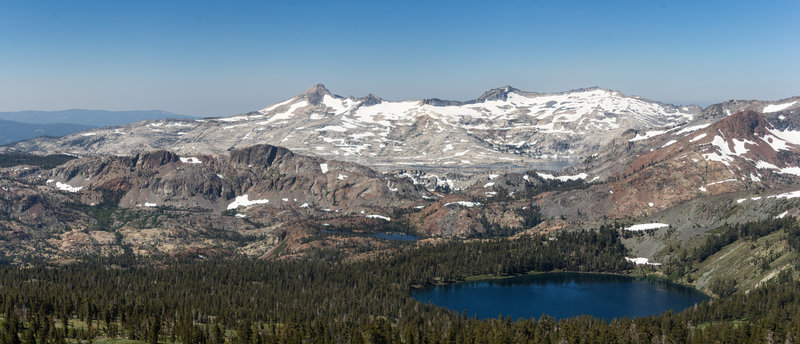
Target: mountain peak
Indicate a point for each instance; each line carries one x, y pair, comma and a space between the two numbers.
500, 93
315, 94
743, 125
371, 99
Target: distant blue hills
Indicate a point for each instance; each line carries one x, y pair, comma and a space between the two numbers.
93, 118
23, 125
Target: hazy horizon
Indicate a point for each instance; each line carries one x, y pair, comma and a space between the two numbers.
217, 59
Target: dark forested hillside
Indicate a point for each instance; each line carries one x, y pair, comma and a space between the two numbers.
46, 161
332, 301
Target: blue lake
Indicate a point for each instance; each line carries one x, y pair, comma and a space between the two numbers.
396, 236
562, 295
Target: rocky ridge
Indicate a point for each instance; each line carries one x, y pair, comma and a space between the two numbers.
269, 201
505, 128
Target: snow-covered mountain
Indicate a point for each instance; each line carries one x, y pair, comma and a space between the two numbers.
505, 126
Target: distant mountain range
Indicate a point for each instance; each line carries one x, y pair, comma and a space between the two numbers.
503, 128
22, 125
11, 131
93, 118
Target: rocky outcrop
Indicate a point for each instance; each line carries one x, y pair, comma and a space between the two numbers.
264, 174
741, 152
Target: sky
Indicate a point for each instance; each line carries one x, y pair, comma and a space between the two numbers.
227, 57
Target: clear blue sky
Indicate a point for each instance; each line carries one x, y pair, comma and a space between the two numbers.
227, 57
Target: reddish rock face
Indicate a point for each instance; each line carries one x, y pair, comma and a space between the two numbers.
727, 156
155, 159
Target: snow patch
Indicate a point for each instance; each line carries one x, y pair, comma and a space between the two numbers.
288, 114
641, 261
190, 160
68, 188
323, 167
378, 217
464, 204
244, 201
722, 181
692, 129
698, 137
547, 176
275, 106
670, 142
777, 107
790, 170
725, 154
646, 226
647, 135
766, 165
788, 195
336, 128
779, 140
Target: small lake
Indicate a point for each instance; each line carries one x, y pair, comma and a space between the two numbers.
562, 295
396, 236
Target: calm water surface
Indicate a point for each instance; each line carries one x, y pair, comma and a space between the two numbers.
562, 295
396, 236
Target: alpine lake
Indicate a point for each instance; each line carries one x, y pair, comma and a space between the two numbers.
561, 295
